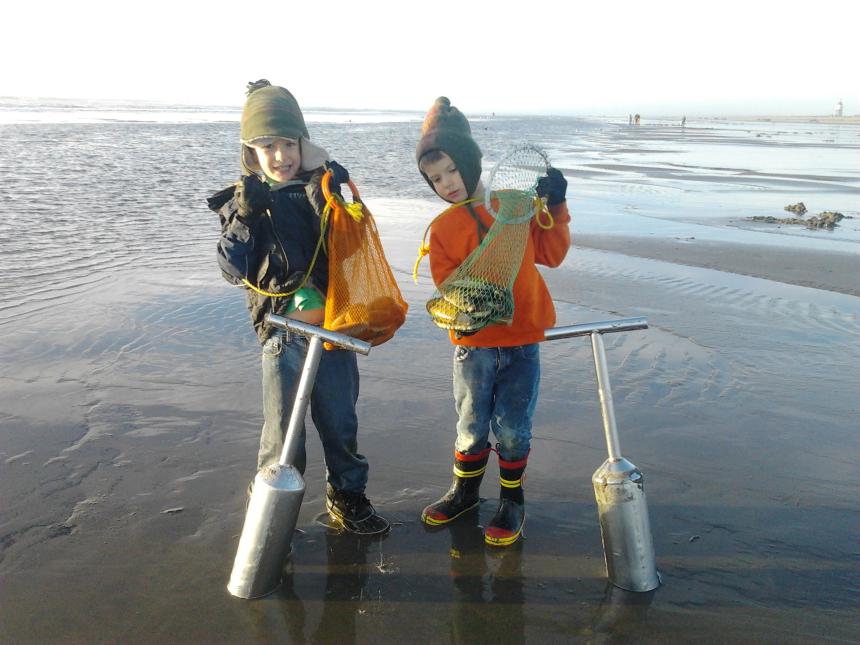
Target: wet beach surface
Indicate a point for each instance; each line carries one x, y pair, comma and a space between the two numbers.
130, 414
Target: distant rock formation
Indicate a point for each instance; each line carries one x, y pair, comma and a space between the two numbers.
827, 219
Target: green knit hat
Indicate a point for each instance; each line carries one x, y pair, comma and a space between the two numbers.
272, 111
446, 129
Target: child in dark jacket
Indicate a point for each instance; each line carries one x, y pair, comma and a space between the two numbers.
497, 369
270, 244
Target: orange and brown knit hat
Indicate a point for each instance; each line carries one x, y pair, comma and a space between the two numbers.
446, 129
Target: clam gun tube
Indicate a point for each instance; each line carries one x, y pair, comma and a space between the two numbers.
618, 485
273, 509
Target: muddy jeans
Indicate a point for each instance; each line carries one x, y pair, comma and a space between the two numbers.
496, 388
332, 404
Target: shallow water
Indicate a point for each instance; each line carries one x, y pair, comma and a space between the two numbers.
716, 174
82, 200
129, 401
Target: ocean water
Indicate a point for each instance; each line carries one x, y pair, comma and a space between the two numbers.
92, 186
710, 177
95, 194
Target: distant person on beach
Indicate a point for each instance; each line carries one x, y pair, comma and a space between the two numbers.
629, 119
497, 369
270, 223
636, 119
683, 121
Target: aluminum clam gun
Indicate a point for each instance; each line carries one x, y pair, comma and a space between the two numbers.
276, 499
618, 485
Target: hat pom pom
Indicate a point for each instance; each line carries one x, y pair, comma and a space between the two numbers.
253, 86
440, 108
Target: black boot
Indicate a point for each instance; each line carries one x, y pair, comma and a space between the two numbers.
506, 527
354, 512
463, 495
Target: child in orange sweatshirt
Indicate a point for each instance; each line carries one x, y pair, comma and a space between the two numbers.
497, 369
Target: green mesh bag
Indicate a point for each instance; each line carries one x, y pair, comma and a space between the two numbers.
480, 291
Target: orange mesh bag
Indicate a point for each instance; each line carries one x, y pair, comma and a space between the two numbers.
363, 299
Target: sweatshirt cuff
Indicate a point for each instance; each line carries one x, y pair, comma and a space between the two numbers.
560, 213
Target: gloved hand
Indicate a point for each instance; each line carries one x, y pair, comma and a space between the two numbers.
253, 197
553, 186
339, 174
313, 190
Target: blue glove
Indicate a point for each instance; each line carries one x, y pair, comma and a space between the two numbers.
339, 174
313, 189
553, 186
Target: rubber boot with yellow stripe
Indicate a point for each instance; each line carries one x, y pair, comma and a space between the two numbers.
463, 495
506, 527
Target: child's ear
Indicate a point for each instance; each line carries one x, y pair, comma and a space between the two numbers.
250, 160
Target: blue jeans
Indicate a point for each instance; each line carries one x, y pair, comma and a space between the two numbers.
496, 388
332, 404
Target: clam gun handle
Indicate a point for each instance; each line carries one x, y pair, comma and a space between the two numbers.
311, 331
596, 330
603, 327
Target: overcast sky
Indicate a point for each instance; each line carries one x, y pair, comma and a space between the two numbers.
612, 57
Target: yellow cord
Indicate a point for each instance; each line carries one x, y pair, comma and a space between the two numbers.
355, 210
543, 208
285, 294
423, 247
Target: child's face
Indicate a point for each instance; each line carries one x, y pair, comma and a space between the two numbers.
280, 159
446, 179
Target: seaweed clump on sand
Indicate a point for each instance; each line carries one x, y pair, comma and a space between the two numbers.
827, 219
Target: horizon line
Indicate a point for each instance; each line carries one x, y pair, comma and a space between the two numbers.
549, 112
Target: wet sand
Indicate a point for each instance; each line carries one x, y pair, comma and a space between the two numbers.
829, 270
847, 119
123, 472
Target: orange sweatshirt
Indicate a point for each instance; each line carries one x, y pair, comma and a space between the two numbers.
455, 234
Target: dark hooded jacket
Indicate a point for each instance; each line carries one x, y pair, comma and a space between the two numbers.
272, 253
